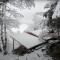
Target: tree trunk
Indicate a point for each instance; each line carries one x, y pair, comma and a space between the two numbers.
2, 35
5, 44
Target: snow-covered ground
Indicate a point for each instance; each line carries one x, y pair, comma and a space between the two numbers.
36, 55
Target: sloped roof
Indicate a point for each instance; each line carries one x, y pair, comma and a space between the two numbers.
26, 40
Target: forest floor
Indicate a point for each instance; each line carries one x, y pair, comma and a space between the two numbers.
36, 55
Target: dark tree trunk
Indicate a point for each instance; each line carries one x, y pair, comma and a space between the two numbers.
5, 44
2, 34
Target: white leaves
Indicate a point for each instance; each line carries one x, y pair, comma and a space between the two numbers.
23, 3
11, 22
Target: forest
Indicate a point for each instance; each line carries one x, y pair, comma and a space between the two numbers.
11, 17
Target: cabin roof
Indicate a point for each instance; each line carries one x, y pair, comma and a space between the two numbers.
26, 40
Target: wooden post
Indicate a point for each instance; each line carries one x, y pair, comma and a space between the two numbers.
13, 44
